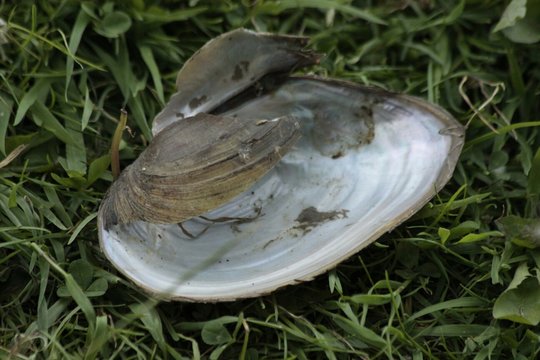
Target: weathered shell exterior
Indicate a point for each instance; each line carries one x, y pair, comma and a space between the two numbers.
196, 165
366, 161
227, 65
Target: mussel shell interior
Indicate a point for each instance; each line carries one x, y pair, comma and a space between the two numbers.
367, 161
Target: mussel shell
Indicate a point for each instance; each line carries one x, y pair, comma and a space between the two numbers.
196, 165
227, 65
367, 160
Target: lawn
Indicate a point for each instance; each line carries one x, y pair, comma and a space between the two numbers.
459, 280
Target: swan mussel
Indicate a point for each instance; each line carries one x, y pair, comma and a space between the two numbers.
336, 165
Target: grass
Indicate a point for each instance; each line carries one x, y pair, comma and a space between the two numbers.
457, 281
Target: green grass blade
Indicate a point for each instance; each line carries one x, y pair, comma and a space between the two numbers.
75, 150
81, 226
81, 22
6, 107
44, 118
39, 90
464, 302
87, 110
150, 61
277, 7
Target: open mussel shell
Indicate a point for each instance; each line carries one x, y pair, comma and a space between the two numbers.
365, 161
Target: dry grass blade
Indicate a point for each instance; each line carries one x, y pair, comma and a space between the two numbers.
13, 155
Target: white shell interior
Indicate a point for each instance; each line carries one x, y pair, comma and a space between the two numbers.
327, 199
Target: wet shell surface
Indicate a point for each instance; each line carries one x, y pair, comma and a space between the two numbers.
363, 160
